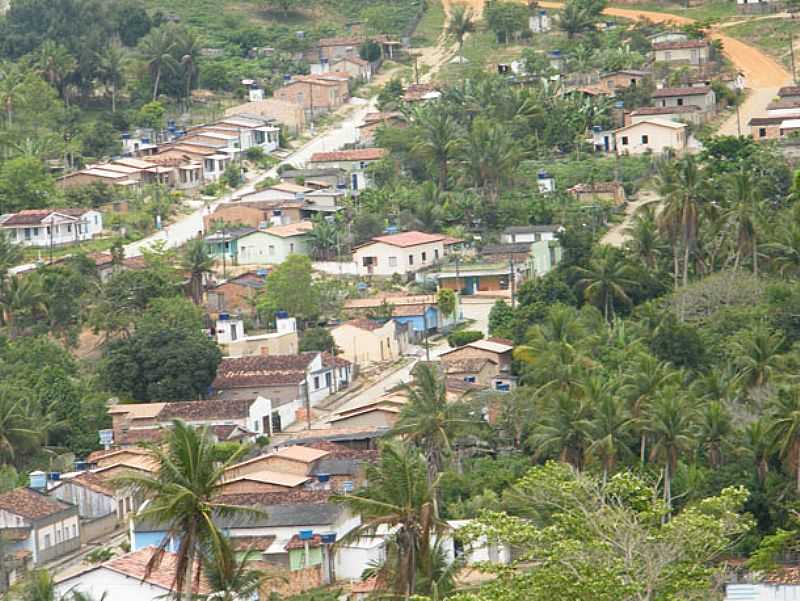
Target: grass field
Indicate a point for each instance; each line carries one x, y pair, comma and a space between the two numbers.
430, 26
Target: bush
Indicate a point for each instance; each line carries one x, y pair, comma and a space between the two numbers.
462, 337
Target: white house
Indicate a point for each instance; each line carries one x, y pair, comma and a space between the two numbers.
52, 227
125, 578
540, 22
45, 527
353, 162
692, 52
654, 135
399, 253
530, 233
763, 591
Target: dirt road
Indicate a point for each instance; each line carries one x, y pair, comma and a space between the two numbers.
616, 234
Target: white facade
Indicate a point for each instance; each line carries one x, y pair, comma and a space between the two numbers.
513, 235
762, 592
56, 229
705, 102
102, 581
380, 258
655, 136
214, 166
540, 22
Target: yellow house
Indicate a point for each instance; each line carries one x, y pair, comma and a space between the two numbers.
364, 341
655, 136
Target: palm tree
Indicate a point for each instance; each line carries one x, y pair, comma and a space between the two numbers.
671, 425
399, 498
188, 47
323, 238
427, 420
459, 25
607, 279
18, 432
564, 429
784, 247
644, 242
39, 585
11, 89
759, 445
198, 262
757, 354
56, 64
437, 139
490, 156
716, 425
743, 216
229, 575
183, 496
610, 429
575, 19
21, 297
157, 49
785, 429
111, 66
10, 255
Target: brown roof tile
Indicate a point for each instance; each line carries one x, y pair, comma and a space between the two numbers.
358, 154
92, 482
262, 370
135, 565
789, 91
666, 110
30, 504
406, 239
206, 410
289, 497
687, 91
254, 543
454, 366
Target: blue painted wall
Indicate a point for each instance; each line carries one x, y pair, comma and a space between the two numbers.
418, 322
150, 539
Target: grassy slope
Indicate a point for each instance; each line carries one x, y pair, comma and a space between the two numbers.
430, 26
771, 35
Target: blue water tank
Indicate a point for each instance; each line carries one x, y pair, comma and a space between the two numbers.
54, 476
145, 140
543, 175
126, 136
305, 534
262, 273
81, 466
597, 128
224, 317
323, 477
328, 538
281, 314
619, 104
392, 229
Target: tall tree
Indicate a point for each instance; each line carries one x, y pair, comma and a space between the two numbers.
564, 428
111, 65
399, 498
21, 301
607, 279
785, 429
198, 262
184, 496
156, 49
743, 215
56, 64
459, 25
437, 139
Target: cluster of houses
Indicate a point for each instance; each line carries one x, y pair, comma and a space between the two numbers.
782, 118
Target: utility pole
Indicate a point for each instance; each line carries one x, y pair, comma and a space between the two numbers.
458, 274
513, 280
791, 50
308, 401
425, 327
224, 262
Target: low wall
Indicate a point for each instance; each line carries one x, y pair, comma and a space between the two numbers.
95, 528
335, 267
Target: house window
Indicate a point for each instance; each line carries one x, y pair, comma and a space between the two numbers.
328, 379
271, 250
410, 259
75, 528
680, 101
36, 232
624, 140
46, 541
69, 228
27, 233
392, 261
424, 256
645, 139
255, 426
470, 379
316, 382
291, 247
96, 222
762, 132
435, 254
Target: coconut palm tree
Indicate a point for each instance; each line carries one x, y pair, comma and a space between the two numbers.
18, 432
56, 64
230, 575
459, 25
428, 420
564, 428
716, 424
11, 89
10, 255
644, 242
39, 585
757, 355
759, 444
21, 298
785, 429
183, 496
575, 19
671, 425
783, 248
323, 238
490, 155
743, 215
198, 262
437, 139
156, 49
606, 280
188, 48
399, 498
610, 428
111, 66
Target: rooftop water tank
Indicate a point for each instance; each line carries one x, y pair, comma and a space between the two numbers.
328, 538
38, 480
281, 314
305, 534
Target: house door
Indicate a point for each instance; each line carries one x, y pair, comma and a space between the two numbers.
354, 177
606, 145
276, 422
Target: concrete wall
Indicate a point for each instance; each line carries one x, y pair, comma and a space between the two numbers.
392, 259
363, 346
99, 527
115, 586
90, 504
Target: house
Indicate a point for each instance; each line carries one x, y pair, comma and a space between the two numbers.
235, 342
249, 415
127, 578
378, 414
353, 162
688, 113
478, 370
252, 132
771, 127
757, 6
294, 460
288, 114
405, 252
612, 193
261, 481
324, 201
419, 311
344, 468
223, 245
43, 526
316, 178
236, 294
96, 175
498, 350
530, 233
540, 22
373, 121
354, 66
331, 50
623, 79
783, 106
519, 252
603, 139
290, 382
52, 227
668, 36
316, 94
259, 211
482, 277
102, 507
421, 92
652, 135
213, 160
364, 341
700, 96
277, 243
692, 52
544, 257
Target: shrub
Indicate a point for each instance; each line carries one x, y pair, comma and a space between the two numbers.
462, 337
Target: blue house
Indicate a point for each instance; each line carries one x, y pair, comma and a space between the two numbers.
225, 242
418, 317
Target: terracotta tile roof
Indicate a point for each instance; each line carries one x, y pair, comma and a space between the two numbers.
666, 110
291, 229
341, 41
789, 91
135, 565
372, 408
270, 477
139, 435
100, 258
379, 117
206, 410
30, 504
364, 324
417, 91
406, 239
409, 310
680, 44
229, 432
296, 543
289, 497
687, 91
498, 340
783, 104
339, 451
353, 59
93, 482
96, 456
456, 384
771, 120
262, 370
395, 299
784, 575
329, 360
358, 154
455, 366
255, 543
14, 534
